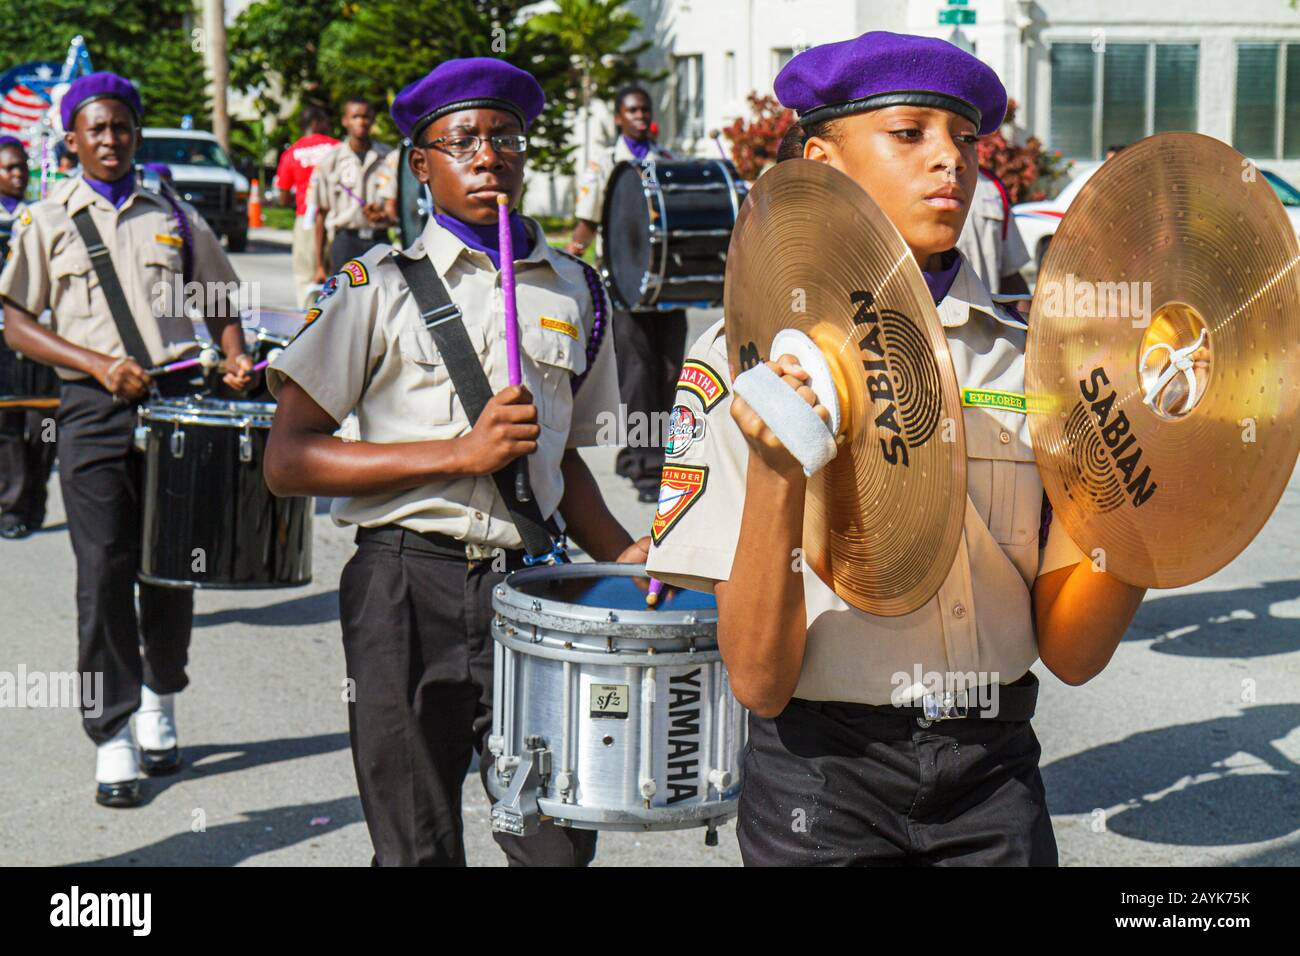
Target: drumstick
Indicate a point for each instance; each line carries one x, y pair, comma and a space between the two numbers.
717, 141
652, 596
207, 357
506, 243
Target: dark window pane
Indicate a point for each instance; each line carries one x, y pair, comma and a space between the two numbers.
1124, 94
1176, 65
1254, 127
1291, 121
1073, 70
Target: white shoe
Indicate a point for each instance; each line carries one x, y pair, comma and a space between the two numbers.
118, 760
155, 721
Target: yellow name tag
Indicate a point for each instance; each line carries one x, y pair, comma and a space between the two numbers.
559, 325
993, 398
169, 240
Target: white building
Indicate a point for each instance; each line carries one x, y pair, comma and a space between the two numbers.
1086, 73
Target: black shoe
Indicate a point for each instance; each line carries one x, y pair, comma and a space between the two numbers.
12, 527
124, 794
160, 763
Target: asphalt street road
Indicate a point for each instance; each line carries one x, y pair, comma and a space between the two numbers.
1186, 750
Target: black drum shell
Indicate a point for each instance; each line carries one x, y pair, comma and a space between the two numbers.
211, 499
665, 229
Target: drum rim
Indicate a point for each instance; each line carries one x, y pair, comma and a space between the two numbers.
209, 411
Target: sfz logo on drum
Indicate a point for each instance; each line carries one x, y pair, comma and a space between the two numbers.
1104, 452
902, 377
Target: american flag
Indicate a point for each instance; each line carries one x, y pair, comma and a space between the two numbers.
20, 113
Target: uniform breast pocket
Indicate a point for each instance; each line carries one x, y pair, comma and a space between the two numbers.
553, 356
72, 279
1002, 478
162, 265
428, 388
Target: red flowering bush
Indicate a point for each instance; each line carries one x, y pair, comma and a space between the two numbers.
754, 142
1024, 170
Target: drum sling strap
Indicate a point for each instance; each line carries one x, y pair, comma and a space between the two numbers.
127, 330
443, 319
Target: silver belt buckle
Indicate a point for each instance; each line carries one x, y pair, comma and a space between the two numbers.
366, 233
945, 707
478, 552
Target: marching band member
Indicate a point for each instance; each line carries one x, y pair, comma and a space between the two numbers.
94, 253
423, 485
26, 457
650, 344
844, 766
990, 241
348, 190
293, 180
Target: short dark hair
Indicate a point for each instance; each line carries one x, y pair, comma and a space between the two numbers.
630, 90
359, 99
793, 141
312, 116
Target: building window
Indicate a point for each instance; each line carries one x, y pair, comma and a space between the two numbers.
729, 75
1119, 93
688, 101
1266, 121
780, 57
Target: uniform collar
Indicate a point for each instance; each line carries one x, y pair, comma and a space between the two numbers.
966, 293
80, 195
443, 248
623, 154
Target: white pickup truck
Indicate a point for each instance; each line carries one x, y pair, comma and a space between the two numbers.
204, 177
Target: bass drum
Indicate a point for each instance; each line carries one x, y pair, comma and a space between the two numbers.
609, 715
24, 383
665, 228
209, 519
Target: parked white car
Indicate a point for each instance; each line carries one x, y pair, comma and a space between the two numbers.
204, 177
1038, 221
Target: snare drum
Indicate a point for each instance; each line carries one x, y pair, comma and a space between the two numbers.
24, 383
665, 228
209, 519
265, 331
609, 715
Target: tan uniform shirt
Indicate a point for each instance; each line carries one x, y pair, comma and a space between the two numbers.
980, 624
388, 188
342, 184
49, 267
991, 254
594, 179
367, 351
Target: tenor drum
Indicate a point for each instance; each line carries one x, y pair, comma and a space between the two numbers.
609, 715
24, 383
209, 519
665, 229
266, 331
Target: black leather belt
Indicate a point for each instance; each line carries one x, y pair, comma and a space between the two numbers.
431, 542
1008, 702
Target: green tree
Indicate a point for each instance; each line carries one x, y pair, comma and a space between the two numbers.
274, 48
376, 48
148, 41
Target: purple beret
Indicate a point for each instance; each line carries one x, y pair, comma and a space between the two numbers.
881, 69
12, 141
98, 86
471, 83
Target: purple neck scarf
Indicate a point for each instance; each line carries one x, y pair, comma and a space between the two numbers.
115, 192
9, 202
940, 282
640, 148
486, 238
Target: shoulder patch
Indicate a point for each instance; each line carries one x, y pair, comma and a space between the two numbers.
25, 218
679, 488
329, 288
703, 382
311, 316
356, 272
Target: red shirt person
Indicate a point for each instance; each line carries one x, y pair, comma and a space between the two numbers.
294, 176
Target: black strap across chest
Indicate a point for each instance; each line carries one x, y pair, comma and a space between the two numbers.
444, 321
118, 308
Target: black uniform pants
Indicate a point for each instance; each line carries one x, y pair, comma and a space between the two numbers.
419, 653
101, 475
25, 463
843, 784
649, 347
348, 244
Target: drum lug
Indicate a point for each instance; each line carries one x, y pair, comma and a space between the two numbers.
142, 437
720, 780
178, 443
245, 446
496, 744
517, 812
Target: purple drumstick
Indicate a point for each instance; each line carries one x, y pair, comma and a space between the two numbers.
507, 249
652, 598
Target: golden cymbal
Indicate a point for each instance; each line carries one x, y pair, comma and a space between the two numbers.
1163, 361
811, 251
